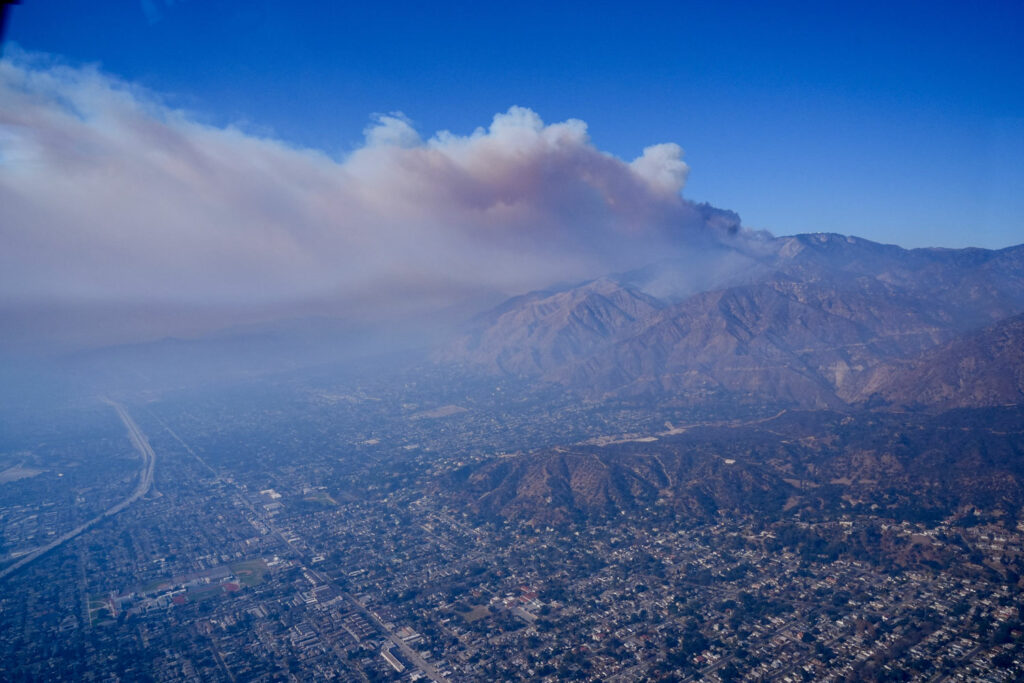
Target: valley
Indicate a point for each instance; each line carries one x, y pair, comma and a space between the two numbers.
814, 472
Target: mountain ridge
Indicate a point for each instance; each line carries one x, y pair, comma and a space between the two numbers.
811, 320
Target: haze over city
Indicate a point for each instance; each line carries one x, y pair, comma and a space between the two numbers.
522, 342
169, 165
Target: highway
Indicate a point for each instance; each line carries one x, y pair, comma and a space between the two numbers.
141, 444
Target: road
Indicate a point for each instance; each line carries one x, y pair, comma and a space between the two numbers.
141, 444
425, 667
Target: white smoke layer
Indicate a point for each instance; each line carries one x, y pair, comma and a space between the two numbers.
109, 197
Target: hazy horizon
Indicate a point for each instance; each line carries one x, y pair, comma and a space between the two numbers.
451, 342
137, 203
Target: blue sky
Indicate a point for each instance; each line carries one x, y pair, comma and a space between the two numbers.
901, 122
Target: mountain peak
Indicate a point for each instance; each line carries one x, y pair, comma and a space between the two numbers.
807, 322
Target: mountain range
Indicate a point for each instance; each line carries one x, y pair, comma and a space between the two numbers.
811, 321
812, 373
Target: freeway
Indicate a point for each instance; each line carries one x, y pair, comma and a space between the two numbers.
141, 443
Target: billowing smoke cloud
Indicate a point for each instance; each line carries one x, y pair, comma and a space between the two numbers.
109, 197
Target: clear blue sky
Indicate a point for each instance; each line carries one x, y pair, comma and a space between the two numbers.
901, 122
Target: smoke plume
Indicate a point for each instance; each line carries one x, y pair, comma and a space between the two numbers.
109, 197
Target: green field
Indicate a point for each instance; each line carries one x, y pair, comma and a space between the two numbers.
476, 614
250, 572
156, 585
320, 498
204, 592
98, 605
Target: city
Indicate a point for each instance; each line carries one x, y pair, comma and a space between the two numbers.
326, 545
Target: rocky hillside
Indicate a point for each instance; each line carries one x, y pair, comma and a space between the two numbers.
812, 321
575, 484
904, 465
540, 333
985, 368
